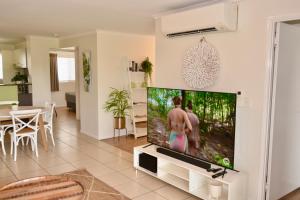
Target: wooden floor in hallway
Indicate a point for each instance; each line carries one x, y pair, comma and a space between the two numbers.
126, 143
295, 195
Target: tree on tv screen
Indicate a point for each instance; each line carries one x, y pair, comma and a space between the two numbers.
215, 111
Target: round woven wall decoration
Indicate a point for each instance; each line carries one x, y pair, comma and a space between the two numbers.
201, 65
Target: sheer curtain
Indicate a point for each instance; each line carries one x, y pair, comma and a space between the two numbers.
66, 69
53, 72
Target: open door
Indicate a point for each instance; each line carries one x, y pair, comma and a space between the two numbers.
284, 149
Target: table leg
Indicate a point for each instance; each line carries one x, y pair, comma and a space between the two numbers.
43, 132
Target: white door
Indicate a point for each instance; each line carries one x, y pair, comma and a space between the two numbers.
284, 154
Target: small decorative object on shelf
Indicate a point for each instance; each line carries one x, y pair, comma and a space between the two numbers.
201, 65
134, 66
86, 63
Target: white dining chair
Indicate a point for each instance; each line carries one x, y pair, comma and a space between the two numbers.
25, 125
2, 140
48, 120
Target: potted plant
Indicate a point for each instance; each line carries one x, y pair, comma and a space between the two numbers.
20, 78
147, 68
118, 104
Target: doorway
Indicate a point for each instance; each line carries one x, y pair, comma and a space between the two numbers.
283, 118
66, 94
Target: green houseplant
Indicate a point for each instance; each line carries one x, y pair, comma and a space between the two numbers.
147, 68
86, 70
118, 104
20, 78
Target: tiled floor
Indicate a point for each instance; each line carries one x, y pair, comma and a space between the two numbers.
74, 150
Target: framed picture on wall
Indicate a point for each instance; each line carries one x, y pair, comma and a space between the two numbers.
86, 64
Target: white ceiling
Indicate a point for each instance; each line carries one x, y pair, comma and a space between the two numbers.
66, 17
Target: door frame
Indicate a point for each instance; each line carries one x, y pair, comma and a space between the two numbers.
77, 81
270, 79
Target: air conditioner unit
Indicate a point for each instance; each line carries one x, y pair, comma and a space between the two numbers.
219, 17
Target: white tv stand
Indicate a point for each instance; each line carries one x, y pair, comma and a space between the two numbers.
190, 178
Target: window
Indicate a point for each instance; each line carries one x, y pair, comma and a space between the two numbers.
66, 69
1, 67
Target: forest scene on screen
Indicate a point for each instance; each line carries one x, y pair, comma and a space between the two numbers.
200, 124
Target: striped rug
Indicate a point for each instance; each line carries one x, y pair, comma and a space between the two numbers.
73, 185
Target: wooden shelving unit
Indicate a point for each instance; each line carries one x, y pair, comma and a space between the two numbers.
138, 99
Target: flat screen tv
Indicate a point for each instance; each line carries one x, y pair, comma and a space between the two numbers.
196, 123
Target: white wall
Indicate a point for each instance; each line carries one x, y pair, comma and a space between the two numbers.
285, 175
7, 60
89, 104
39, 67
115, 50
243, 61
8, 69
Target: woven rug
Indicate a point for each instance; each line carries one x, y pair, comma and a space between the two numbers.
75, 185
94, 189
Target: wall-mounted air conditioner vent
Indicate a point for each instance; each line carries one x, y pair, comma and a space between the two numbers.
212, 29
218, 17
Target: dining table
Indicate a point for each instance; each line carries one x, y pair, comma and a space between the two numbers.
5, 116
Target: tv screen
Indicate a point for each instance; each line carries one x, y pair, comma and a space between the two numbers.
197, 123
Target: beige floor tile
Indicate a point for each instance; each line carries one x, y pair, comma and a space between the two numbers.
5, 172
103, 156
150, 196
60, 169
119, 164
150, 182
23, 167
72, 156
32, 174
47, 162
107, 147
89, 149
9, 161
172, 193
84, 162
125, 155
58, 151
2, 164
131, 189
114, 179
7, 180
42, 153
94, 167
133, 173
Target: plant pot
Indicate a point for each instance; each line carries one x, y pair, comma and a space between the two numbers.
119, 122
147, 79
